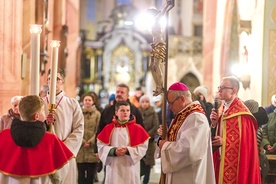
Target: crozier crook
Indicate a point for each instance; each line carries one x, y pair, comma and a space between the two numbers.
158, 54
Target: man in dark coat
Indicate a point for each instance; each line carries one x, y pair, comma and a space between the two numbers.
121, 94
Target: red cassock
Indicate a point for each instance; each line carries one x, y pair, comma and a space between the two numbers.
44, 159
238, 162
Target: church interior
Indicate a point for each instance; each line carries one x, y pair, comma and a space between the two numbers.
106, 42
101, 43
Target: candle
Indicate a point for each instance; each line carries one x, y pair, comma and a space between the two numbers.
35, 30
54, 58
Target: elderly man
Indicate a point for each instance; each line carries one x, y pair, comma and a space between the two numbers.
13, 113
236, 161
186, 153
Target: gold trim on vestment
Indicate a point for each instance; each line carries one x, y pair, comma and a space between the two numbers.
179, 120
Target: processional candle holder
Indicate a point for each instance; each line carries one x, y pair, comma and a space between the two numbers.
35, 30
53, 80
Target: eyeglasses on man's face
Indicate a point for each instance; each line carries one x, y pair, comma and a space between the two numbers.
172, 102
58, 79
224, 87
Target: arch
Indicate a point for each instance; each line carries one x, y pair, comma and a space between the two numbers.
190, 80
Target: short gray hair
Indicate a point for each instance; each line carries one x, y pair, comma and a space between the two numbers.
186, 94
16, 99
234, 81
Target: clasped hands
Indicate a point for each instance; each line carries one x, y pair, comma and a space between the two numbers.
120, 151
270, 148
86, 145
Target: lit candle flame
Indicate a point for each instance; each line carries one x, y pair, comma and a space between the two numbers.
54, 59
35, 28
55, 43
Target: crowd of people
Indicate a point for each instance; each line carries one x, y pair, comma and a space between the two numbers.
203, 142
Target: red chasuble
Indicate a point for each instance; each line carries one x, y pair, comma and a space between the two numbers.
239, 161
44, 159
137, 134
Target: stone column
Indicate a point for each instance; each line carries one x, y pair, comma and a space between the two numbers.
10, 51
208, 44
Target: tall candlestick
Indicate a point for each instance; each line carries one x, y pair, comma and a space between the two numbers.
54, 58
35, 58
53, 81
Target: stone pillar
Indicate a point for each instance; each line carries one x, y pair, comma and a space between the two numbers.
10, 52
72, 20
208, 45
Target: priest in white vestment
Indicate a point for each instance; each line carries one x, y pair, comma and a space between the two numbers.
186, 153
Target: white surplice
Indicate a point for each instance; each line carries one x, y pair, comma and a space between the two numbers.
122, 169
69, 127
189, 159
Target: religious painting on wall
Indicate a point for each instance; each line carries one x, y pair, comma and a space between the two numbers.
122, 62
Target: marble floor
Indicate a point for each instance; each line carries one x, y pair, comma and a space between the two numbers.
154, 177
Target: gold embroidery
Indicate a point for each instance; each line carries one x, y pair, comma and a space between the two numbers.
179, 119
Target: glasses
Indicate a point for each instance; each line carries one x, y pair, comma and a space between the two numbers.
58, 79
224, 87
172, 102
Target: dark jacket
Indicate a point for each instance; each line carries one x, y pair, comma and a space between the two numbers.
269, 109
151, 126
269, 133
207, 107
261, 116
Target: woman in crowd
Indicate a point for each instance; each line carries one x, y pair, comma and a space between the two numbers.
151, 123
86, 158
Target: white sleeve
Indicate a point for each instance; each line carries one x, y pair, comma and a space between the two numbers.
138, 152
190, 145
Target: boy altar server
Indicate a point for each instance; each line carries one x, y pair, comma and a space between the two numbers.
121, 146
29, 154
